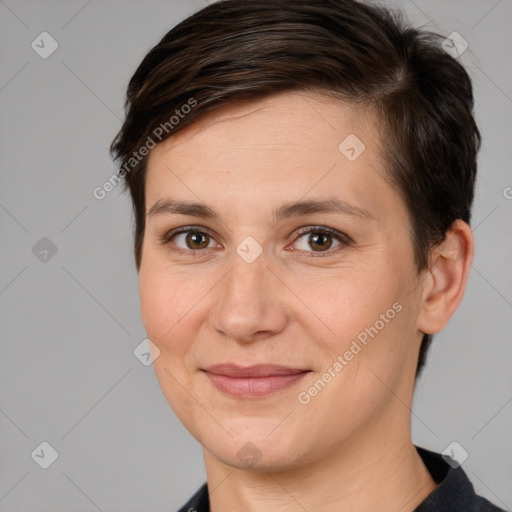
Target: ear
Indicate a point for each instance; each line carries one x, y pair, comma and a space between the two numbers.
447, 276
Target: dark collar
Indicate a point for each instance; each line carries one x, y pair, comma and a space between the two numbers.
454, 492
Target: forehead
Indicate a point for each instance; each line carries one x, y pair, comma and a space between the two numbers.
303, 121
275, 150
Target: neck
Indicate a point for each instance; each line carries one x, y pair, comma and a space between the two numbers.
359, 475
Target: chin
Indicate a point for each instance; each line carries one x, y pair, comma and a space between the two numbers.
256, 457
253, 448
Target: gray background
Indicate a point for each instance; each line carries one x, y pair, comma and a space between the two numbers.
70, 324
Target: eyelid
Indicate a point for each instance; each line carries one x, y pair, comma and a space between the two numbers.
169, 235
341, 237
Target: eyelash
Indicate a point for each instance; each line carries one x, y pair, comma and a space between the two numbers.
344, 240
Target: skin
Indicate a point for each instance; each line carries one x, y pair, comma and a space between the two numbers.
297, 305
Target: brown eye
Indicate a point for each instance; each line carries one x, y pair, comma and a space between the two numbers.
321, 239
188, 241
196, 240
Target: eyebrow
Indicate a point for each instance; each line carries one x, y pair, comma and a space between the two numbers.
286, 211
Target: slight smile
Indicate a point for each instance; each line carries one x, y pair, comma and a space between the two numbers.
252, 381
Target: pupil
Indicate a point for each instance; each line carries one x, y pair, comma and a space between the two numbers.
196, 238
314, 240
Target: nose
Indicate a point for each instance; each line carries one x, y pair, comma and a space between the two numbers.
250, 302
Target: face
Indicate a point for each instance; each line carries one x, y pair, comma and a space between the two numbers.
281, 328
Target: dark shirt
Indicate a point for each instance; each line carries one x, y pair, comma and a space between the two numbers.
454, 492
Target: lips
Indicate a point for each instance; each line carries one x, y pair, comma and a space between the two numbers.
252, 381
257, 370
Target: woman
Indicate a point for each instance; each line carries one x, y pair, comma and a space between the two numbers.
302, 174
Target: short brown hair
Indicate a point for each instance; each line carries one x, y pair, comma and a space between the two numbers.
366, 54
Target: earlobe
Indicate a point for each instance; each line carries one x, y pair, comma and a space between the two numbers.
448, 275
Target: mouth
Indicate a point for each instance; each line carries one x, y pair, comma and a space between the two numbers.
252, 381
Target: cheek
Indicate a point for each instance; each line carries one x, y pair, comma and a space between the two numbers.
155, 309
355, 298
164, 302
368, 316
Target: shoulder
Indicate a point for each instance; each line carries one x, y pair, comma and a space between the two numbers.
199, 502
454, 491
